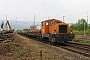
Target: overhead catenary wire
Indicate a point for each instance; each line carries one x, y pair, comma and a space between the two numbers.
48, 8
37, 8
6, 4
71, 10
63, 12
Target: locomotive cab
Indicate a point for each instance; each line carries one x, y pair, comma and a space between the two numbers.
56, 31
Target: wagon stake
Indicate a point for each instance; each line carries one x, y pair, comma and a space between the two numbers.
40, 55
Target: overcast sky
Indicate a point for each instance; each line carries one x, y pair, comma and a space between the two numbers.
44, 9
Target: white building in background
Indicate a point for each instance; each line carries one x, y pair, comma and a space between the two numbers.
39, 27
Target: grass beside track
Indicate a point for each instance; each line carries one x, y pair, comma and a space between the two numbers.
23, 48
82, 40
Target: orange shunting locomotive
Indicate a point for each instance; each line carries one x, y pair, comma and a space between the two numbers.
56, 31
53, 31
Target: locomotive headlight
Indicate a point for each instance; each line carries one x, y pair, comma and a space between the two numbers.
73, 39
53, 39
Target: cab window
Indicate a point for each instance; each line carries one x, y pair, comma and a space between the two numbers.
42, 23
50, 22
47, 23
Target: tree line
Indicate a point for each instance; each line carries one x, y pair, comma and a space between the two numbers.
80, 27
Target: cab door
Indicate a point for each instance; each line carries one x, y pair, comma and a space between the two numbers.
45, 27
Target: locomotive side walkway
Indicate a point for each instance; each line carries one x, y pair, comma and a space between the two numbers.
24, 48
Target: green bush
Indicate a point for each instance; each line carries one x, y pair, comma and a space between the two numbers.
82, 32
76, 32
88, 31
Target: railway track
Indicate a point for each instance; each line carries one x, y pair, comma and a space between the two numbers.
82, 49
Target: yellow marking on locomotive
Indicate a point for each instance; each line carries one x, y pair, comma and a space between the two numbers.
53, 40
73, 39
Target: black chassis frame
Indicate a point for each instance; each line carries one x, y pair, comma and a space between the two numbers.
61, 38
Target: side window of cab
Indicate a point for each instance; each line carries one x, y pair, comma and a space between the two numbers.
42, 23
47, 23
50, 23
